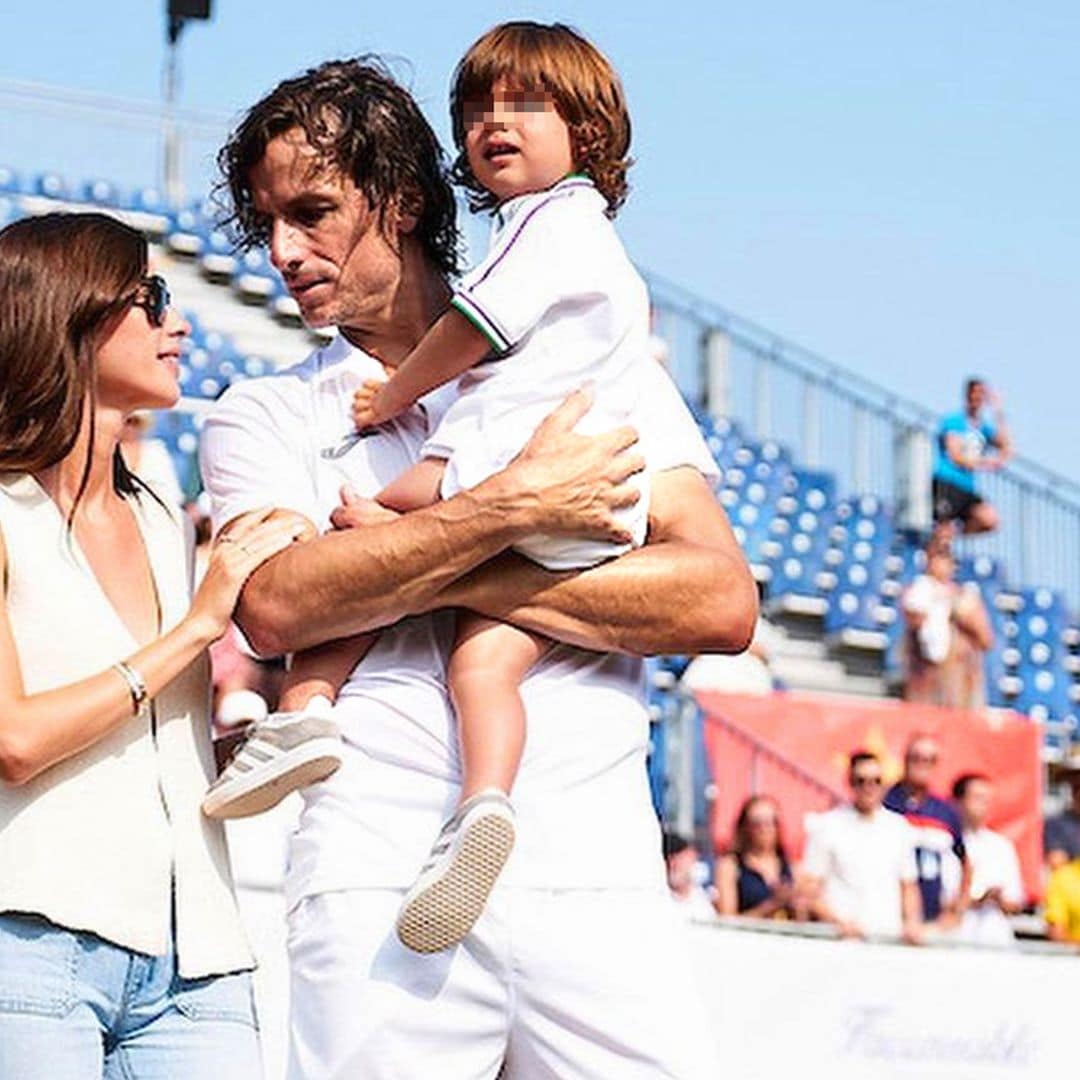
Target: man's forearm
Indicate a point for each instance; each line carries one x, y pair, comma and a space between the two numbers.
663, 598
357, 580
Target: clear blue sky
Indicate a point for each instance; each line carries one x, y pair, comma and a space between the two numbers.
893, 185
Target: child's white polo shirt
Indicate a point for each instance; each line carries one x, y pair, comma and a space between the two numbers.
562, 306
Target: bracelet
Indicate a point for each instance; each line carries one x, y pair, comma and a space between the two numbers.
135, 684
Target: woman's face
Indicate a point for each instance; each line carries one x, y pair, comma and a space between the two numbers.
138, 364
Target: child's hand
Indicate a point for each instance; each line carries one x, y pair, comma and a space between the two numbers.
367, 408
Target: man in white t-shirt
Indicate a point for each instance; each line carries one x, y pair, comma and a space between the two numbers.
577, 966
860, 859
997, 890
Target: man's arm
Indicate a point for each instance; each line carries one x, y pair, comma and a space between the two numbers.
689, 589
357, 580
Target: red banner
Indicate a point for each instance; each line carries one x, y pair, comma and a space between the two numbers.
796, 749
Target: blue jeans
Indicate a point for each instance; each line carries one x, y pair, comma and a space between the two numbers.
75, 1007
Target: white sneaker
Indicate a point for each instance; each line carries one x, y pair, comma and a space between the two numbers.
452, 888
283, 753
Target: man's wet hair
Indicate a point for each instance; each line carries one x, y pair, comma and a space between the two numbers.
361, 122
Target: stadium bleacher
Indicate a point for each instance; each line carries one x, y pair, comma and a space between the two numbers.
815, 553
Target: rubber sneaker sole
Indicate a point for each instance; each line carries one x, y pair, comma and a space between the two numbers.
263, 788
441, 914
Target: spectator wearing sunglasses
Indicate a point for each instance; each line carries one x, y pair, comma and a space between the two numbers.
860, 862
939, 834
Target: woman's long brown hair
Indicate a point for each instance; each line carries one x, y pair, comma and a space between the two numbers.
63, 282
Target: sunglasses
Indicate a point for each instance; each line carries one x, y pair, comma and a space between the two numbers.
152, 295
866, 781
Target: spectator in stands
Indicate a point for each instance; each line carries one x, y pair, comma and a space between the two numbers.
948, 632
687, 877
149, 458
118, 925
860, 862
968, 442
938, 832
1061, 836
755, 877
997, 890
1063, 903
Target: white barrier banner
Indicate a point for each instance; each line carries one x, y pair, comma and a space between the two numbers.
789, 1006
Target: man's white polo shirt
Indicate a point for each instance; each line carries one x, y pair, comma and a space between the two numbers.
584, 814
862, 861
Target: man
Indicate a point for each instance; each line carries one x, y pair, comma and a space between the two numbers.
860, 862
997, 890
938, 833
576, 968
1061, 835
968, 443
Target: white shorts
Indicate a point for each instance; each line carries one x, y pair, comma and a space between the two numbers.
567, 985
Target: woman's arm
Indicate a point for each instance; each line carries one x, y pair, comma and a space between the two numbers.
42, 729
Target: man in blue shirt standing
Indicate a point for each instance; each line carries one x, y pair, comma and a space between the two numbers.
939, 832
968, 442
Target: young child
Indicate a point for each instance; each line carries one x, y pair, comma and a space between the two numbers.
542, 134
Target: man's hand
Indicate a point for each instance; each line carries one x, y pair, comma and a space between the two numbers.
577, 482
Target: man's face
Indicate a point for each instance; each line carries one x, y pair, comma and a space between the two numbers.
921, 760
867, 786
976, 803
976, 397
324, 236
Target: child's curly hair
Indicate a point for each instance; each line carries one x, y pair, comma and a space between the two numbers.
583, 84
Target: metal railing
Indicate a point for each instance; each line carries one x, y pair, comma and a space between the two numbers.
868, 436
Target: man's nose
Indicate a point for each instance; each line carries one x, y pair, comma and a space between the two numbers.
285, 249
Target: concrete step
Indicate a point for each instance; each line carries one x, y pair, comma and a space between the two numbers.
800, 648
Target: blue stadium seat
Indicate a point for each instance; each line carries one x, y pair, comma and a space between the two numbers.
218, 261
255, 280
10, 181
51, 185
100, 193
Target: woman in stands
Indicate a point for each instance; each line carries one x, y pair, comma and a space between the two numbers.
121, 951
755, 878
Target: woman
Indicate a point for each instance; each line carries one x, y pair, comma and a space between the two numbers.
121, 951
755, 878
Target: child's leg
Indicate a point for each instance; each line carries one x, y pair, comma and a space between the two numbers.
322, 670
488, 663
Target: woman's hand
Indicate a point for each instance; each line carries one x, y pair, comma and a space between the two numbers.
237, 553
573, 484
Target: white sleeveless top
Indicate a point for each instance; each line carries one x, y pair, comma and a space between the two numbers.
96, 842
